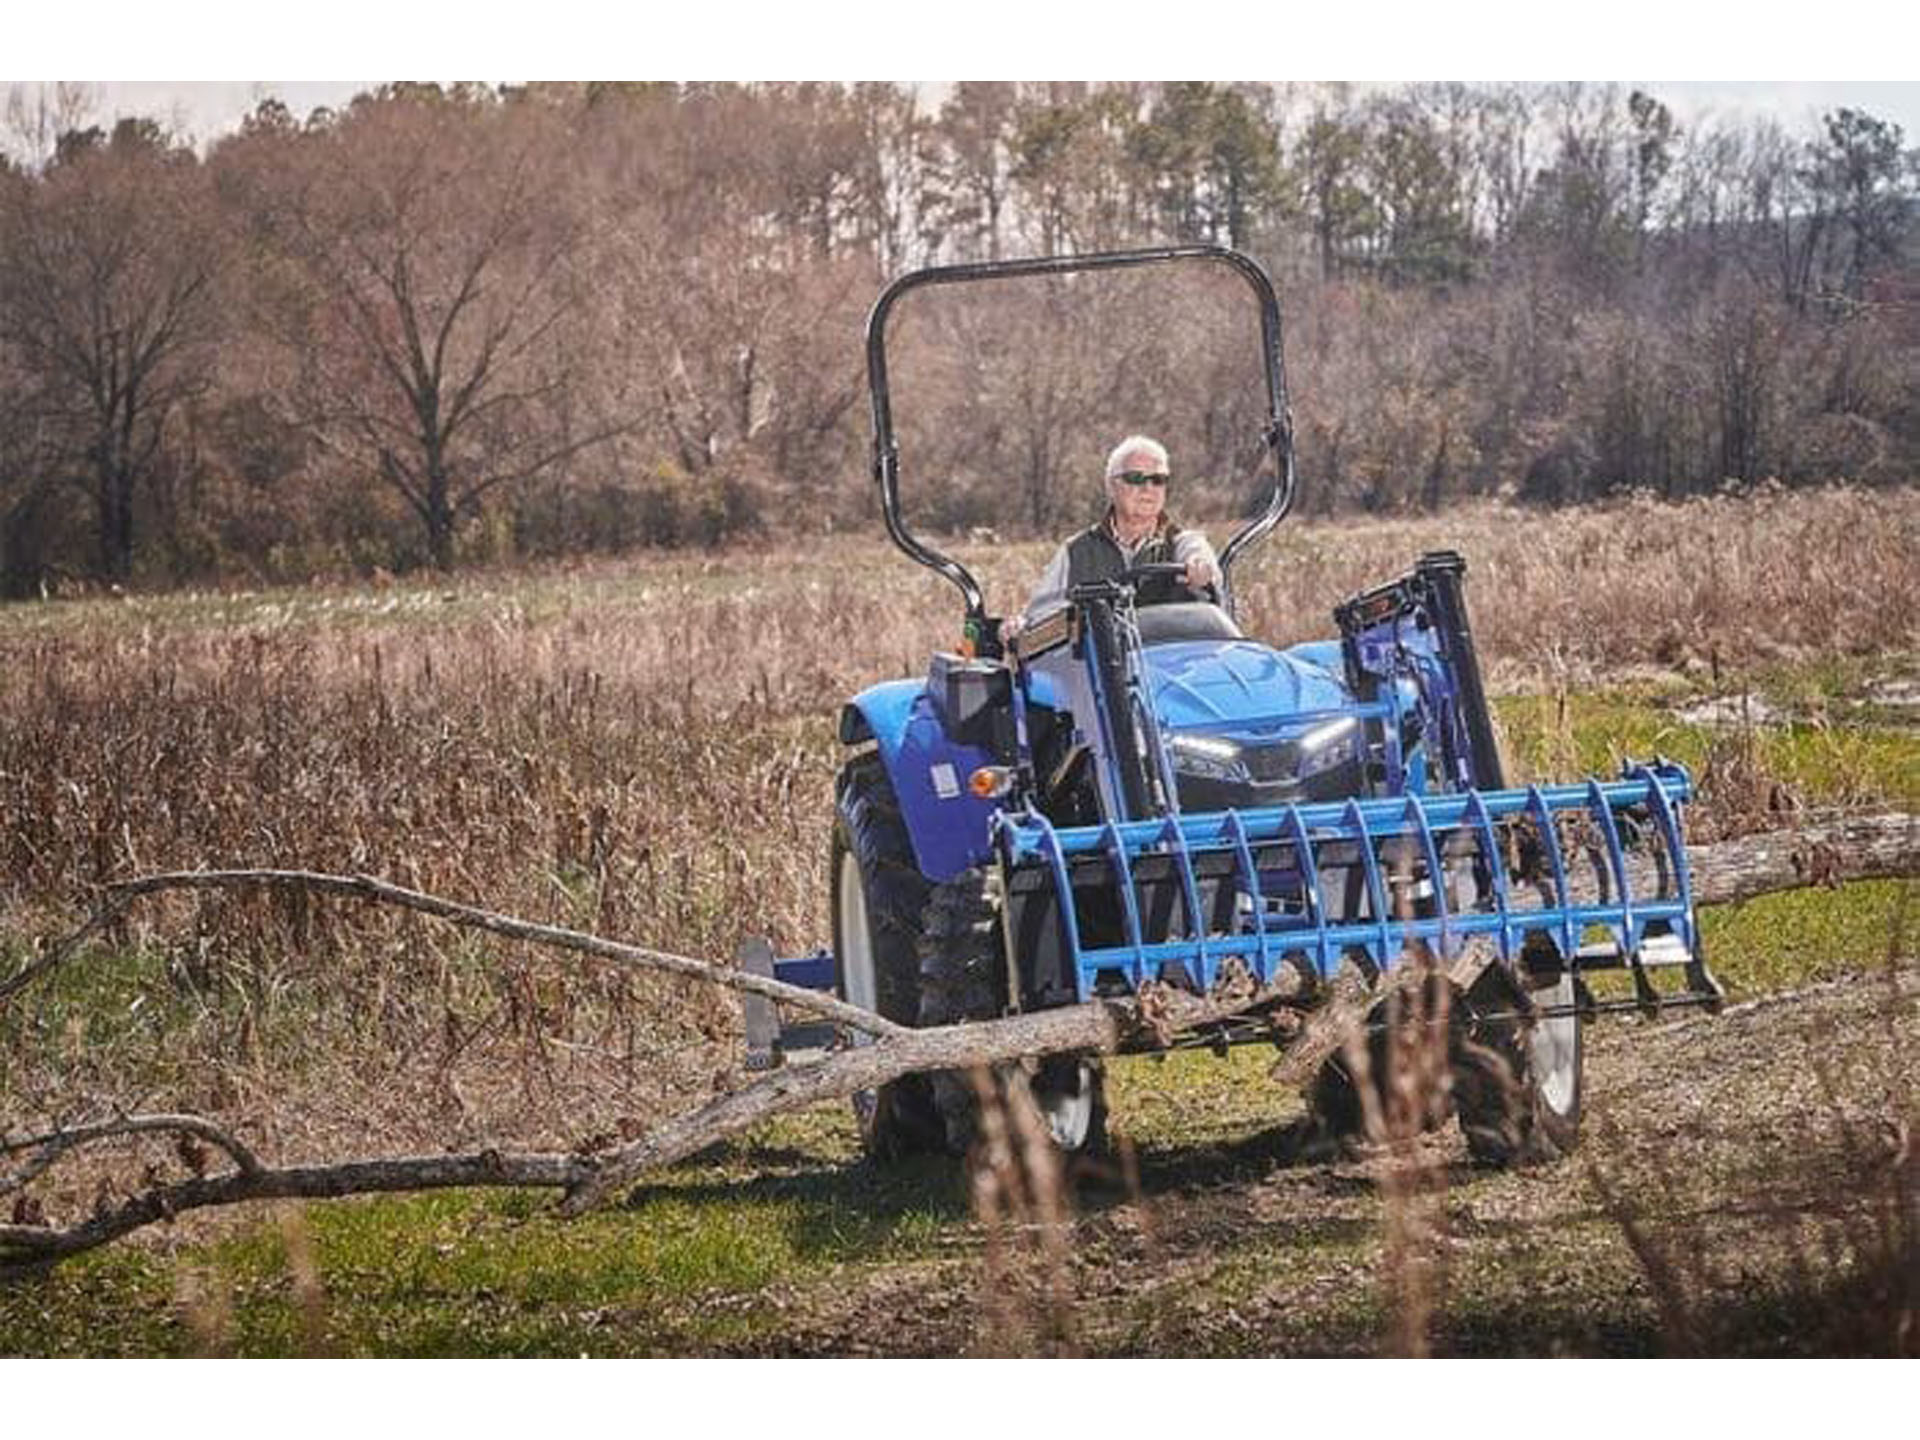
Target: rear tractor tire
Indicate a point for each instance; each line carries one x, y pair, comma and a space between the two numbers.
963, 977
878, 897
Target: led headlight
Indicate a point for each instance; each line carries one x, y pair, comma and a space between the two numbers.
1329, 746
1207, 757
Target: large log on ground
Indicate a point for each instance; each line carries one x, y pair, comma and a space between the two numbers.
1831, 852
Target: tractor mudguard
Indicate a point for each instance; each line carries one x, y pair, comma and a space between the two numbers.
949, 825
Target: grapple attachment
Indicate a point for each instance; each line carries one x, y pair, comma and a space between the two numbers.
1591, 876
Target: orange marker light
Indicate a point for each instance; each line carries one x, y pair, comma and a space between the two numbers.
990, 780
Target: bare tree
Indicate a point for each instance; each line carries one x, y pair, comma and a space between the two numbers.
740, 338
425, 283
893, 180
37, 118
108, 297
975, 136
1861, 167
1328, 160
1502, 133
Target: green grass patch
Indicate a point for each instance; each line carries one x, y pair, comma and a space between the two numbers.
681, 1269
1843, 755
1832, 764
1831, 750
1193, 1097
1796, 937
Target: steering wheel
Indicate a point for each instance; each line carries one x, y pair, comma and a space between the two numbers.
1153, 570
1157, 575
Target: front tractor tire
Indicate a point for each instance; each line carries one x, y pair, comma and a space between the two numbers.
878, 898
1518, 1084
1512, 1071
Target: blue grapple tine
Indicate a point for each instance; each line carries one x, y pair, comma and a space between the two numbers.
1663, 802
1326, 956
1435, 874
1249, 874
1376, 892
1665, 815
1208, 868
1176, 842
1057, 864
1542, 814
1627, 933
1130, 901
1506, 936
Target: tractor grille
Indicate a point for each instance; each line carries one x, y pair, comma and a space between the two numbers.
1267, 763
1200, 794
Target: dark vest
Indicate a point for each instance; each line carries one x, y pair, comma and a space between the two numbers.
1094, 554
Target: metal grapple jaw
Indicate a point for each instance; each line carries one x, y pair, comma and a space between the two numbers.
1588, 876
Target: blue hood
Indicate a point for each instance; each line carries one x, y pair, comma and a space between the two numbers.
1225, 683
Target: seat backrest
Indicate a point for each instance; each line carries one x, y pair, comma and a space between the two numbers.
1185, 620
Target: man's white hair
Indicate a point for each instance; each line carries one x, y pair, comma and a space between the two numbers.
1136, 445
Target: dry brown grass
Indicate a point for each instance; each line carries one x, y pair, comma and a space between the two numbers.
1584, 594
1020, 1196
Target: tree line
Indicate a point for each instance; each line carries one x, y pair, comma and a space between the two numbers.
450, 324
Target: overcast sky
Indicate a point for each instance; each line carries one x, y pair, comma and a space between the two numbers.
206, 109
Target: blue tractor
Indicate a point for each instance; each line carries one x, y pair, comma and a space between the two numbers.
1132, 790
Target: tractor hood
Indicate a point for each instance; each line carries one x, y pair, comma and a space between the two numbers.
1223, 684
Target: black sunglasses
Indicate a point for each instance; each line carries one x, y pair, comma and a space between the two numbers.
1142, 477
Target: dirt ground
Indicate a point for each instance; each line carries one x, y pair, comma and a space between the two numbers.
1747, 1184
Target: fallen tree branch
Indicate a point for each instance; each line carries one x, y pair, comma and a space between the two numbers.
26, 1248
1825, 853
366, 887
589, 1180
1101, 1025
50, 1146
56, 954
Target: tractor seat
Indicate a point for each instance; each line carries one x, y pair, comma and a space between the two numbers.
1185, 620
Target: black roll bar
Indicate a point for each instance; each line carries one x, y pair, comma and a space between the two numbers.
1277, 433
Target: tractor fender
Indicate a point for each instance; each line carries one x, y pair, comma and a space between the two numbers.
947, 823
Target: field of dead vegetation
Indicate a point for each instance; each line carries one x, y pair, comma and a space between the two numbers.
645, 749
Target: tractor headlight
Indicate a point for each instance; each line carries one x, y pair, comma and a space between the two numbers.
1329, 746
1208, 757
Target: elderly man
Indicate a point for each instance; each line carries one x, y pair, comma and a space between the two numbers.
1136, 530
